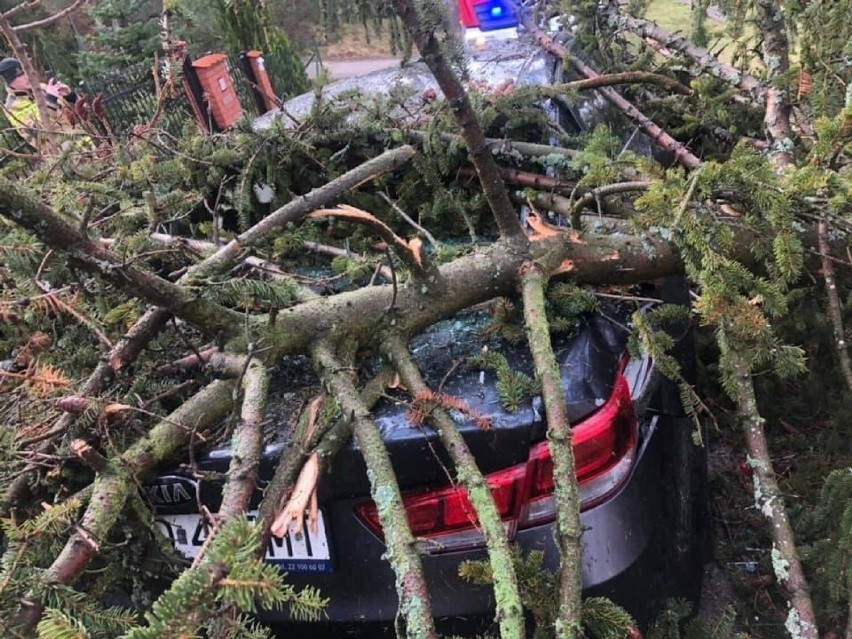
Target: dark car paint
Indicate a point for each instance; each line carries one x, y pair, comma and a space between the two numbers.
625, 535
640, 545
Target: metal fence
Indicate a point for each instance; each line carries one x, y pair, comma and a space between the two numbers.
130, 98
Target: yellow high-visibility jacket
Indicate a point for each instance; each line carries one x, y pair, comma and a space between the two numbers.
23, 115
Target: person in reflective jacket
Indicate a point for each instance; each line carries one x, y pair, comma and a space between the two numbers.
21, 108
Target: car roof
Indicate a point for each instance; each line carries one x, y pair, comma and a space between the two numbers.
490, 64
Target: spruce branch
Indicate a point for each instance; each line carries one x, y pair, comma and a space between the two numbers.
500, 146
606, 80
112, 487
424, 37
55, 299
409, 220
699, 56
334, 251
681, 152
20, 206
122, 354
56, 17
835, 310
533, 280
801, 621
414, 600
247, 442
509, 612
298, 208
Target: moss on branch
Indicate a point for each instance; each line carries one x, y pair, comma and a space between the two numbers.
414, 602
533, 282
509, 613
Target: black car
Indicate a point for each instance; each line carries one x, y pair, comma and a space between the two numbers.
640, 474
642, 479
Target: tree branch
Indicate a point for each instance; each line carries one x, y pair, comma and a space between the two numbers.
112, 487
247, 443
414, 602
533, 281
489, 272
298, 208
500, 146
38, 24
607, 80
20, 206
776, 55
835, 310
124, 351
682, 154
801, 621
326, 441
700, 56
509, 612
492, 185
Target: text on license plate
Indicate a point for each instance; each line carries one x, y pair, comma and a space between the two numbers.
307, 551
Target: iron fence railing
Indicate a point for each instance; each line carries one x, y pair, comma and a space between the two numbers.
130, 98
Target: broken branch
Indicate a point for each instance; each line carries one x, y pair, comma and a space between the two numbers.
509, 612
533, 282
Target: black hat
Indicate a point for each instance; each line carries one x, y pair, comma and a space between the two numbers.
10, 69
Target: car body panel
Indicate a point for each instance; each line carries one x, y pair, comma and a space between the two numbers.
637, 544
624, 532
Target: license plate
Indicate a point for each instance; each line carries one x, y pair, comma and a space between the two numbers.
306, 551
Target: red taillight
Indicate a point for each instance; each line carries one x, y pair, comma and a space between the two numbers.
603, 439
604, 448
448, 511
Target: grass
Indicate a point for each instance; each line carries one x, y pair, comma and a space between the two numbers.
676, 16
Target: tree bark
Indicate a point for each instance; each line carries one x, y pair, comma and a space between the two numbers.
509, 613
483, 275
247, 442
457, 99
415, 607
776, 55
835, 310
801, 621
533, 281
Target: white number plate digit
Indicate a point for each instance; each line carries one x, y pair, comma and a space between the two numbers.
306, 551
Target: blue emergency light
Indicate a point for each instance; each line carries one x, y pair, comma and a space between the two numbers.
495, 14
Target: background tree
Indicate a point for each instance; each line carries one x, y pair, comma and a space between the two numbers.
123, 32
245, 26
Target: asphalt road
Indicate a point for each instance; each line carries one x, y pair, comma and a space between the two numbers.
340, 69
